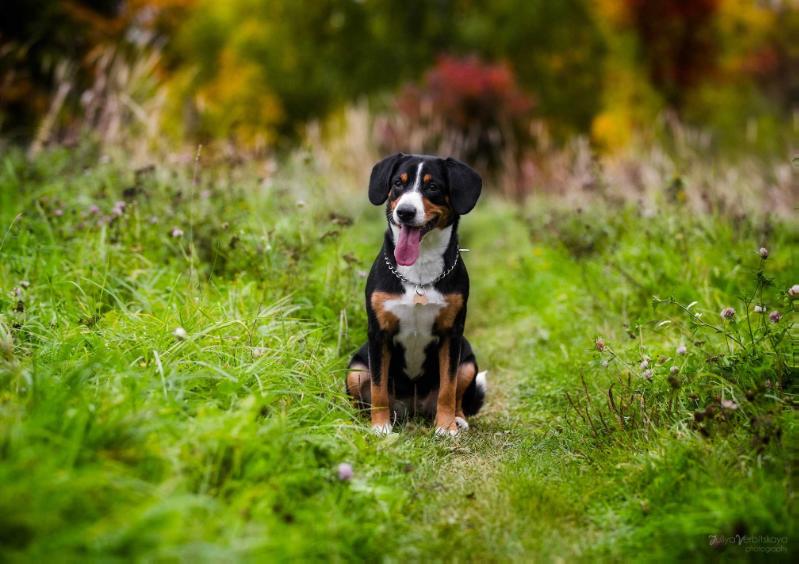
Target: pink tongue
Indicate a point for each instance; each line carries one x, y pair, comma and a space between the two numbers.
406, 250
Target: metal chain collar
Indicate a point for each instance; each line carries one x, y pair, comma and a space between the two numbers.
419, 286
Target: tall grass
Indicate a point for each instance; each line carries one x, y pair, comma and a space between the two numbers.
173, 341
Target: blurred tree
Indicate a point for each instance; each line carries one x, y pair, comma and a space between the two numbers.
678, 42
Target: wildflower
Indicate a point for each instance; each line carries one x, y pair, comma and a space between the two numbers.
176, 232
94, 209
180, 334
728, 313
604, 363
645, 363
25, 284
599, 344
647, 374
682, 350
58, 212
775, 316
153, 219
763, 252
760, 309
118, 209
729, 404
674, 370
258, 352
345, 471
793, 291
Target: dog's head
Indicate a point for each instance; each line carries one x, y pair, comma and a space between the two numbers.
423, 193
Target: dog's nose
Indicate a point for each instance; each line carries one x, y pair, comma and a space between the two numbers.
406, 213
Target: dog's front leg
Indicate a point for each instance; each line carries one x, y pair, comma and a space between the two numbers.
449, 352
379, 361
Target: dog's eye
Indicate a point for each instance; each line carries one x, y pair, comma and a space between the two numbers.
432, 187
397, 183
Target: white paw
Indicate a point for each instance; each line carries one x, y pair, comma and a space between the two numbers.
446, 432
382, 429
462, 424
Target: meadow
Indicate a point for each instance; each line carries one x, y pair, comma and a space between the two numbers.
174, 338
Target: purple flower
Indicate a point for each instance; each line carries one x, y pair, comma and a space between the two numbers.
775, 316
728, 313
176, 232
58, 212
682, 350
793, 291
647, 374
763, 252
94, 209
644, 363
599, 344
345, 471
674, 369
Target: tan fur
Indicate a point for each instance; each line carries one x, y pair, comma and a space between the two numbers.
445, 407
385, 319
446, 317
433, 211
466, 373
381, 415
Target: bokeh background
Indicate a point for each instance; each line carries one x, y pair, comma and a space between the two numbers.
496, 82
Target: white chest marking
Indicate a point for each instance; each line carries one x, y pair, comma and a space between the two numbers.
415, 325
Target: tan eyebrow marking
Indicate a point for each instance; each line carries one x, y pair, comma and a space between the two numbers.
427, 178
404, 177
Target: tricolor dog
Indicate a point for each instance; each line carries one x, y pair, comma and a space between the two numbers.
416, 360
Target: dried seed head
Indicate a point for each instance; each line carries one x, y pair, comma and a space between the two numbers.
728, 313
599, 344
729, 405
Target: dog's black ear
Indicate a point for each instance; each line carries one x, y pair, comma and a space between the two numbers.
464, 186
381, 175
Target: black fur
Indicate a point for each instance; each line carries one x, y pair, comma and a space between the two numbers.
457, 187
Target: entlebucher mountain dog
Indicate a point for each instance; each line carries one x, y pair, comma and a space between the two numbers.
416, 360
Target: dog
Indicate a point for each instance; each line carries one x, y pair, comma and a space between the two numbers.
416, 360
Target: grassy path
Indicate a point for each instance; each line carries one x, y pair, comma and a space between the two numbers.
122, 437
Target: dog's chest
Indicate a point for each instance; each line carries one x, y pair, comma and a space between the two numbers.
417, 316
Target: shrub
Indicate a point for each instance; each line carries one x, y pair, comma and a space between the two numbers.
462, 106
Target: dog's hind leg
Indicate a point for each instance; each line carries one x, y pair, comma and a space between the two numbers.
359, 384
466, 373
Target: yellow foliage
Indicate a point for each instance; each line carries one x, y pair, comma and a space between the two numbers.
238, 102
612, 128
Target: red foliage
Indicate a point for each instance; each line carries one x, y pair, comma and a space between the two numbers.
463, 106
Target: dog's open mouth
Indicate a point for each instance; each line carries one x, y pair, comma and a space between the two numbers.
406, 250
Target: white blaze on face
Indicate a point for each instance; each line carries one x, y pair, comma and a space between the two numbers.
413, 198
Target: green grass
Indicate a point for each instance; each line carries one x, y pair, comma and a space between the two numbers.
120, 440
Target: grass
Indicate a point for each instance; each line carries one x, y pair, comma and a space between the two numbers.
120, 439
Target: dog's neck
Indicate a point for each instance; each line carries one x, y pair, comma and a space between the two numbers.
437, 251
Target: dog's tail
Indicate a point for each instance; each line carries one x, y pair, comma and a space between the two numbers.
474, 396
